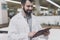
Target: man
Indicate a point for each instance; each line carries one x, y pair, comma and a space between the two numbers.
23, 25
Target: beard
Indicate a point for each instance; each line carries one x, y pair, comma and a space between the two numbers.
27, 12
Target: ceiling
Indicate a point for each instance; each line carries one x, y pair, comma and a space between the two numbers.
42, 3
57, 1
49, 5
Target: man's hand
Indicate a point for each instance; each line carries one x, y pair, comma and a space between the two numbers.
31, 34
46, 33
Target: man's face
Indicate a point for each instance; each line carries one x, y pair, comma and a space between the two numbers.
28, 7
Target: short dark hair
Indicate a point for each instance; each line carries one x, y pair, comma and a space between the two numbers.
24, 1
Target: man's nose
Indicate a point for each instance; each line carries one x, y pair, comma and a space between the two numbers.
30, 8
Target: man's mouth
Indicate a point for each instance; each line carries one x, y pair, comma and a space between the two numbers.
29, 11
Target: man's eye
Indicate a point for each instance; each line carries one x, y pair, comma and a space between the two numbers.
29, 6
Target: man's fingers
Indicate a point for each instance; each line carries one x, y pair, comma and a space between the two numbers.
46, 33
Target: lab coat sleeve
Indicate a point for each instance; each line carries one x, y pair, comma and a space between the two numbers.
13, 33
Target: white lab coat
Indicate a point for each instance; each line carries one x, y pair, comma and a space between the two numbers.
19, 28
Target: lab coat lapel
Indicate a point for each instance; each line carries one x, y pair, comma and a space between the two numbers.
24, 20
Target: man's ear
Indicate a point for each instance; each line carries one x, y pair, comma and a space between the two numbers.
21, 6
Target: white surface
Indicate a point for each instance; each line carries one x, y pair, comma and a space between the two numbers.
3, 36
4, 29
48, 19
54, 34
